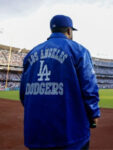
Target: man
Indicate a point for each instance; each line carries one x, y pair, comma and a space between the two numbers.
59, 91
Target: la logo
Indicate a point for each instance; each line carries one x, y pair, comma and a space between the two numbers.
43, 72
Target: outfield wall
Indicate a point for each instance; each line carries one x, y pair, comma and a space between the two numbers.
103, 68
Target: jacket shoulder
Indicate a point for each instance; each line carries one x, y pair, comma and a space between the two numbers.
77, 46
78, 51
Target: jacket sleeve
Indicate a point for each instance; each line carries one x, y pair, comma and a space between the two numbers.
88, 84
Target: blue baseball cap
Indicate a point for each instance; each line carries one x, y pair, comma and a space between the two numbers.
60, 21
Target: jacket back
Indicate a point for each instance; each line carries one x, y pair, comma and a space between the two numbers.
57, 93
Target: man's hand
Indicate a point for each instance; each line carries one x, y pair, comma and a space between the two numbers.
93, 123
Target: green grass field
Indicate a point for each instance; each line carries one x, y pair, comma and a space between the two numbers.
106, 97
13, 95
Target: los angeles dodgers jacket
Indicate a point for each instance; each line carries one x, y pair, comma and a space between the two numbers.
59, 92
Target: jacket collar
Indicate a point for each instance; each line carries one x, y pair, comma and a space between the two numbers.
57, 35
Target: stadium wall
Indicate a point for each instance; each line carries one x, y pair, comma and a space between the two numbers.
103, 68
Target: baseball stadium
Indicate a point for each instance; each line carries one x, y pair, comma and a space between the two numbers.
11, 110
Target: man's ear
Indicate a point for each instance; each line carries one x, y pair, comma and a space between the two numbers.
69, 31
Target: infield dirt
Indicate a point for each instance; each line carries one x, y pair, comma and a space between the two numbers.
11, 128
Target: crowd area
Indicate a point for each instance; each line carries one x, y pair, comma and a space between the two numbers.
13, 80
103, 63
104, 72
103, 69
16, 58
12, 76
10, 85
15, 68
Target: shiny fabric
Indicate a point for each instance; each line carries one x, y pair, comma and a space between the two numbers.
59, 93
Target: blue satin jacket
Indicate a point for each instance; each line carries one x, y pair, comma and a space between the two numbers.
59, 92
